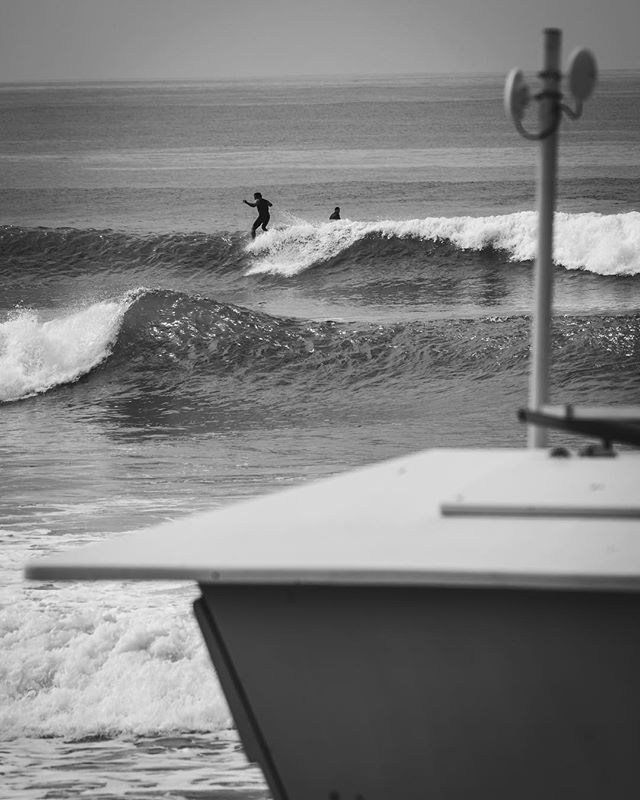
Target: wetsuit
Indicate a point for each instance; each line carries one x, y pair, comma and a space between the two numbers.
263, 207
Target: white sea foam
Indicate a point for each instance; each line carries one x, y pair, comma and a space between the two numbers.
82, 660
291, 250
36, 355
604, 244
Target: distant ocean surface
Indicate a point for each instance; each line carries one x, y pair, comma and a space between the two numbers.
155, 361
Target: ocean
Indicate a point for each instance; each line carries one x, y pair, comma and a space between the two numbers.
156, 361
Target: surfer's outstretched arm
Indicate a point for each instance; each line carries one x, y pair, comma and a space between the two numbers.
253, 205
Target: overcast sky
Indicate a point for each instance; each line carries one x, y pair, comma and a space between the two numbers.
183, 39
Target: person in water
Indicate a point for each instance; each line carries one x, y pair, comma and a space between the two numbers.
263, 207
336, 213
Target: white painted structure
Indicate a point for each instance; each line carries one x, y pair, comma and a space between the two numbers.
441, 517
453, 624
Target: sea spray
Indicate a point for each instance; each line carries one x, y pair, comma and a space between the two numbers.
36, 355
288, 251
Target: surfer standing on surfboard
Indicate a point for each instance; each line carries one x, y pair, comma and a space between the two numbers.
263, 207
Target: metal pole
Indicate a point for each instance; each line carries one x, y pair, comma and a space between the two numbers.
543, 279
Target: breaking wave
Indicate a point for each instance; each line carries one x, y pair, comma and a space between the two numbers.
607, 245
158, 341
597, 243
36, 355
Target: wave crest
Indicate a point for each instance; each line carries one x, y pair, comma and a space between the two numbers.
597, 243
157, 342
36, 355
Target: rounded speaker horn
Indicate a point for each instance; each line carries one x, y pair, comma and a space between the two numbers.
582, 74
516, 94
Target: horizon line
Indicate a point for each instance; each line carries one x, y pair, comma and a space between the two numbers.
311, 76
